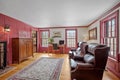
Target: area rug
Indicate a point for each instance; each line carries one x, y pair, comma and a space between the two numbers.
5, 70
43, 69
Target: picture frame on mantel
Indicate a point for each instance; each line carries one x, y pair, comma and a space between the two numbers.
93, 34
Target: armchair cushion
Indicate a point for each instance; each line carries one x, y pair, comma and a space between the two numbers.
88, 58
73, 64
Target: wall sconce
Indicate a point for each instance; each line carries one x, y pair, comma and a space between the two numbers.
7, 28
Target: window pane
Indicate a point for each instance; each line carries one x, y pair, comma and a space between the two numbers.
115, 47
113, 33
109, 29
108, 41
71, 34
113, 21
109, 23
113, 27
43, 34
111, 47
104, 41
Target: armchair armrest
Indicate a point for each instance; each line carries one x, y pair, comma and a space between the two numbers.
78, 57
73, 49
73, 64
85, 66
82, 66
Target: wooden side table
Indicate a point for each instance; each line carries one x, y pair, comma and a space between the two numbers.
62, 48
50, 48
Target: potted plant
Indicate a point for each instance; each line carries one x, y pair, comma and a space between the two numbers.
50, 40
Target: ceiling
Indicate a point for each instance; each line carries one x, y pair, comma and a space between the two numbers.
56, 13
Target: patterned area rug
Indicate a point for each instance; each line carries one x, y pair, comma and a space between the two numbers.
43, 69
5, 70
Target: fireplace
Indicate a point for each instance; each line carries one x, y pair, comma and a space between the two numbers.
3, 51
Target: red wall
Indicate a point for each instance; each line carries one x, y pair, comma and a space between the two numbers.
18, 29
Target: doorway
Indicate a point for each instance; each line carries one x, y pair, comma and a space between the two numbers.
34, 37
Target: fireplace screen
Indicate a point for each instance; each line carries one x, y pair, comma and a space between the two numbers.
3, 54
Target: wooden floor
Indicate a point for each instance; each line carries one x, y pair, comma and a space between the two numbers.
65, 73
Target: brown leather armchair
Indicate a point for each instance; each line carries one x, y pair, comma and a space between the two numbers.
92, 66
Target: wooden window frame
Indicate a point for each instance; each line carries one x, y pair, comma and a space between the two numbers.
41, 36
75, 37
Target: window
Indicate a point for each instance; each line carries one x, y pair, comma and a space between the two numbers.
44, 38
71, 37
109, 32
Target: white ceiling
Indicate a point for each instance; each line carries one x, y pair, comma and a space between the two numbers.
56, 13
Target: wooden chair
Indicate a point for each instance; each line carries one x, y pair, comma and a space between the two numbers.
55, 48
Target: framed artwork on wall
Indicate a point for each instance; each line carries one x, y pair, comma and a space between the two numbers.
93, 34
56, 34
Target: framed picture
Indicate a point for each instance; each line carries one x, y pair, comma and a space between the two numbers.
56, 34
93, 34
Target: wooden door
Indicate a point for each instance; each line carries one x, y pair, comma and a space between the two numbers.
34, 37
15, 50
22, 50
29, 47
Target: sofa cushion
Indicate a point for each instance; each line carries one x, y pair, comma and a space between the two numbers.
92, 47
88, 58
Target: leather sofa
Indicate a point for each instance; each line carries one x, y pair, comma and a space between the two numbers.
92, 65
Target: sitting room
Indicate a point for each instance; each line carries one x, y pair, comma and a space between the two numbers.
59, 40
